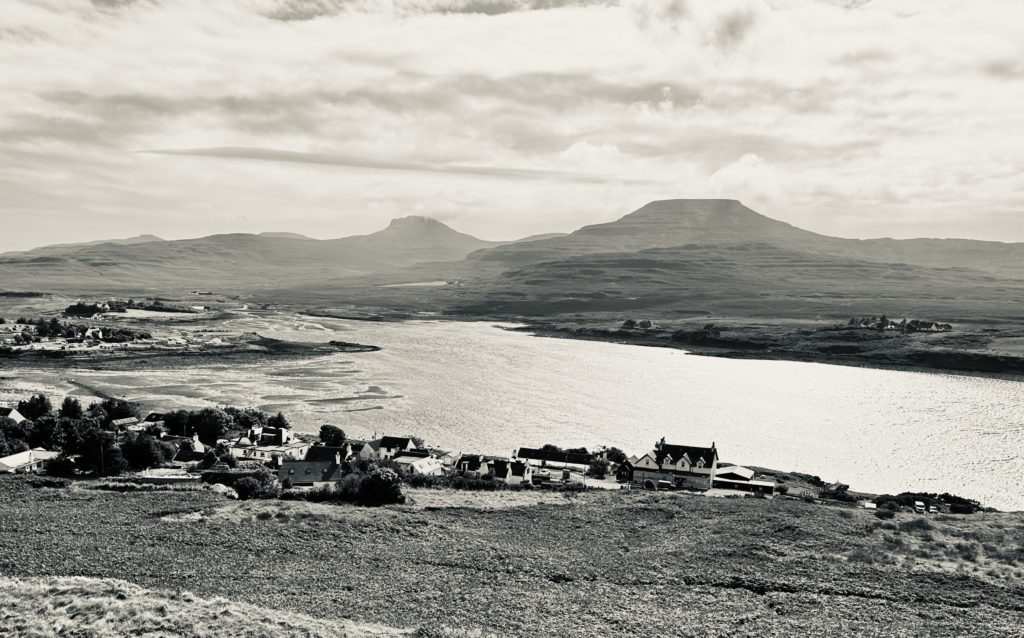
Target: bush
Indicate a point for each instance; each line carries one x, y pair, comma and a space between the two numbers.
267, 485
884, 514
247, 488
44, 481
381, 487
60, 466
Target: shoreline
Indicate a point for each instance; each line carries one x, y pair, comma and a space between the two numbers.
547, 330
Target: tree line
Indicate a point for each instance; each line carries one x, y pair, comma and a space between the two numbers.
84, 438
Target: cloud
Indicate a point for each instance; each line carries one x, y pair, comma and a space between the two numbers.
332, 159
515, 116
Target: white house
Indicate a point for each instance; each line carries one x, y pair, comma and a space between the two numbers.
682, 465
27, 461
391, 446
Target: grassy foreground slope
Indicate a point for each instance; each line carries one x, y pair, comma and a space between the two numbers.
109, 608
533, 564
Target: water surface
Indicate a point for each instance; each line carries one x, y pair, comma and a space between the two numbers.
477, 388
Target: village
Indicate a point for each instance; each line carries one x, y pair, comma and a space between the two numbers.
247, 454
101, 332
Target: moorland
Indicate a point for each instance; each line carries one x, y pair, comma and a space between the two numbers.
515, 563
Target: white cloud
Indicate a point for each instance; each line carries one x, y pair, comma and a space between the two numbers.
898, 117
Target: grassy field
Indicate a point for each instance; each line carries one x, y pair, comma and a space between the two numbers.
519, 564
108, 608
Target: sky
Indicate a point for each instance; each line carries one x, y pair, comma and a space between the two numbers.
505, 118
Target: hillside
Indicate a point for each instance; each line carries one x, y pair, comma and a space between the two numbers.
679, 222
521, 564
111, 608
238, 261
753, 278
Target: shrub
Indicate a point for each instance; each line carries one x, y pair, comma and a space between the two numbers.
60, 466
884, 514
381, 487
922, 524
247, 488
45, 481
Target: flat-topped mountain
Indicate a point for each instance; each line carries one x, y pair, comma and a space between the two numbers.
659, 224
417, 248
679, 222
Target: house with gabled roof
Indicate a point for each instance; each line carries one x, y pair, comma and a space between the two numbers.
27, 461
12, 414
322, 473
686, 466
392, 446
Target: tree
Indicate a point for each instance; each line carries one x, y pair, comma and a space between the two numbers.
598, 468
143, 451
36, 406
12, 430
617, 456
11, 446
278, 421
60, 466
71, 408
176, 423
101, 455
209, 460
119, 409
209, 423
332, 435
246, 418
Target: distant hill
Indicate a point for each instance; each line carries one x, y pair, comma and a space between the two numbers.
240, 261
679, 222
673, 253
285, 235
62, 248
750, 278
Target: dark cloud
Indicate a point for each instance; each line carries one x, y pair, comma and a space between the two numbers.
348, 161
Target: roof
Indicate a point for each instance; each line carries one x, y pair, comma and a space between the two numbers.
325, 453
122, 422
555, 457
742, 473
692, 453
407, 459
395, 442
5, 411
14, 461
309, 471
